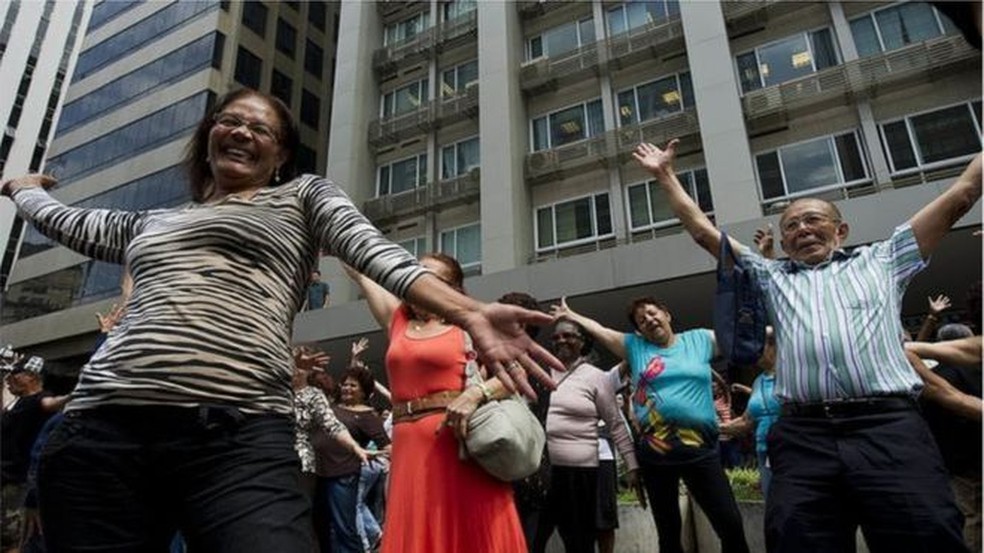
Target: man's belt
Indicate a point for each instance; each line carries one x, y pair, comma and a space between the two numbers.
852, 407
421, 406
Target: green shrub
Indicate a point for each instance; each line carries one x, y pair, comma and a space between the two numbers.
745, 483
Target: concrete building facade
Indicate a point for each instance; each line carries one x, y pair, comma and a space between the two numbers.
501, 133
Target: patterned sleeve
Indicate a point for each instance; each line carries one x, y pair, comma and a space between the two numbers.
97, 233
902, 251
322, 415
344, 232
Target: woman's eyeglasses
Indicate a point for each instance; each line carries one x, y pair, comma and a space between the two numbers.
566, 336
229, 122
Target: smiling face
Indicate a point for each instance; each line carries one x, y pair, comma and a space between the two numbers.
350, 392
654, 324
567, 342
247, 155
811, 231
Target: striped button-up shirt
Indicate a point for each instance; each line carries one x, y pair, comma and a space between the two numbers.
837, 324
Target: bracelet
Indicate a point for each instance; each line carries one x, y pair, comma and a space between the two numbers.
486, 392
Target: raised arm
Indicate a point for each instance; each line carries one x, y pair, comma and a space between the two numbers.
613, 340
382, 304
97, 233
497, 330
936, 306
933, 221
965, 352
660, 164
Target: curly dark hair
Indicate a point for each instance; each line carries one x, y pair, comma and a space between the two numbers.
363, 377
642, 302
196, 153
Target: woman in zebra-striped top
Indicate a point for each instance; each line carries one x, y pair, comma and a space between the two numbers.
182, 419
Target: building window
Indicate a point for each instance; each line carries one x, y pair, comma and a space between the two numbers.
248, 68
402, 175
456, 79
464, 244
406, 29
286, 38
561, 39
217, 50
649, 207
630, 15
460, 158
316, 14
404, 99
314, 59
310, 109
573, 221
457, 8
307, 160
255, 17
897, 26
655, 99
281, 86
786, 59
936, 136
567, 125
416, 246
805, 167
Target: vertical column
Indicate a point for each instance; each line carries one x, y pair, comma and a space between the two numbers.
505, 200
722, 123
616, 201
355, 102
433, 95
869, 130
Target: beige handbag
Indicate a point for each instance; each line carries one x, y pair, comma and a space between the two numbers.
504, 436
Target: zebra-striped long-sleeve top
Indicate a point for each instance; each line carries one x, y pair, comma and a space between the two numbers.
216, 288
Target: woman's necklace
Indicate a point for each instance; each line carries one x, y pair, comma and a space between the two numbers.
417, 325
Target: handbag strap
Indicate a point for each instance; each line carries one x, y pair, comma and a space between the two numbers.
726, 253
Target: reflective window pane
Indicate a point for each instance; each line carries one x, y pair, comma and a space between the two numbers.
851, 162
808, 165
785, 60
865, 36
946, 134
748, 72
544, 227
899, 146
770, 175
567, 126
627, 113
638, 206
906, 24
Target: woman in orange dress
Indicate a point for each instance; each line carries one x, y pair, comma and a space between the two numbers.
436, 501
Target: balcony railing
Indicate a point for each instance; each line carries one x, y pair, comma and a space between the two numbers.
611, 147
546, 73
535, 8
417, 47
388, 8
747, 16
659, 40
862, 78
459, 107
393, 129
443, 194
458, 30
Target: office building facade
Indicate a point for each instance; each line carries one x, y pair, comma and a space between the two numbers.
145, 75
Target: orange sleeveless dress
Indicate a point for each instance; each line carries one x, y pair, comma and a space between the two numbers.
438, 503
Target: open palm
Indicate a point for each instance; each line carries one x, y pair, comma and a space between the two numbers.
656, 160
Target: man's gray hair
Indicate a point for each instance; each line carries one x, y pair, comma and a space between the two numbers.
953, 331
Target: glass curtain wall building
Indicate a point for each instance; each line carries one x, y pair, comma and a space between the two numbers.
145, 74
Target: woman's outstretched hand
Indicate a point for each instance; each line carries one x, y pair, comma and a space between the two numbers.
504, 347
27, 181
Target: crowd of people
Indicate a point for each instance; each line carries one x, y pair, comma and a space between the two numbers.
196, 425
